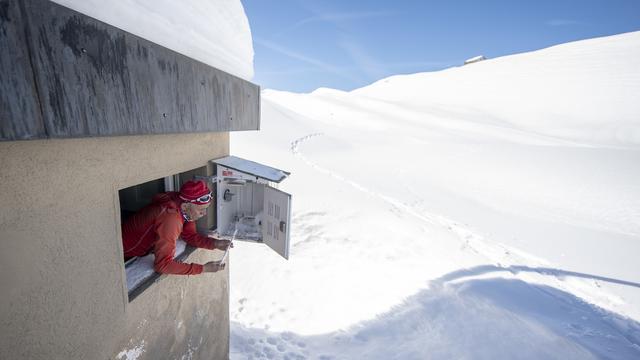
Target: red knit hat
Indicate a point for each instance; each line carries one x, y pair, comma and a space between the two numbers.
195, 192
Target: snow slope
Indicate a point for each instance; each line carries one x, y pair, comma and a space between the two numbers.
486, 211
215, 32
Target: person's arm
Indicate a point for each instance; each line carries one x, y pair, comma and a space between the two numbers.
191, 237
168, 229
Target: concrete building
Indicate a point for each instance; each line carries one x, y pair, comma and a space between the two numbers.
93, 121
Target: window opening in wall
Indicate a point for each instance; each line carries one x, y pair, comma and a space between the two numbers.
248, 206
140, 273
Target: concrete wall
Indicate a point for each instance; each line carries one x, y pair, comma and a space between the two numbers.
67, 75
62, 279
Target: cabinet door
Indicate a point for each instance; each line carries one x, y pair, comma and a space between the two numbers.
276, 220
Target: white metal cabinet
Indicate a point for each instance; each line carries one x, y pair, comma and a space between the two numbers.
249, 207
275, 229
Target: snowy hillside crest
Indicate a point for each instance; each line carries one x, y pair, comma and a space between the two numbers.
489, 211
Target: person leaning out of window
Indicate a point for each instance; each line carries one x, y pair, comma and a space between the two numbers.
156, 228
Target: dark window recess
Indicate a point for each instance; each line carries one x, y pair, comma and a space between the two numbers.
136, 197
140, 274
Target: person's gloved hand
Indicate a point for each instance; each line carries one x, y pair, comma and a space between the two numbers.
213, 266
223, 244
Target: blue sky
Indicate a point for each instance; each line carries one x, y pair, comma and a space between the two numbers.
301, 45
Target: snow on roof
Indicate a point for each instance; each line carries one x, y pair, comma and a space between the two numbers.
254, 168
475, 59
215, 32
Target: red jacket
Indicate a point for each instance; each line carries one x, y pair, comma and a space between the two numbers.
156, 227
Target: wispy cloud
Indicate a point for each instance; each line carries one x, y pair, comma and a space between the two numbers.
335, 18
344, 16
362, 60
375, 70
562, 22
363, 65
304, 58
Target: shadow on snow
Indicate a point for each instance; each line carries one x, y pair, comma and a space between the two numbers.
514, 269
470, 319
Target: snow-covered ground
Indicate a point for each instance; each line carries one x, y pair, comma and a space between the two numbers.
490, 211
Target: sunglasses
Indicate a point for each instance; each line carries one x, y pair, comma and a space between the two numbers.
203, 198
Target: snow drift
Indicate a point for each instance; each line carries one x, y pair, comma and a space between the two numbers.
488, 211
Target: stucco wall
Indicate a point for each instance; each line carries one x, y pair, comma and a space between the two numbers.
62, 281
